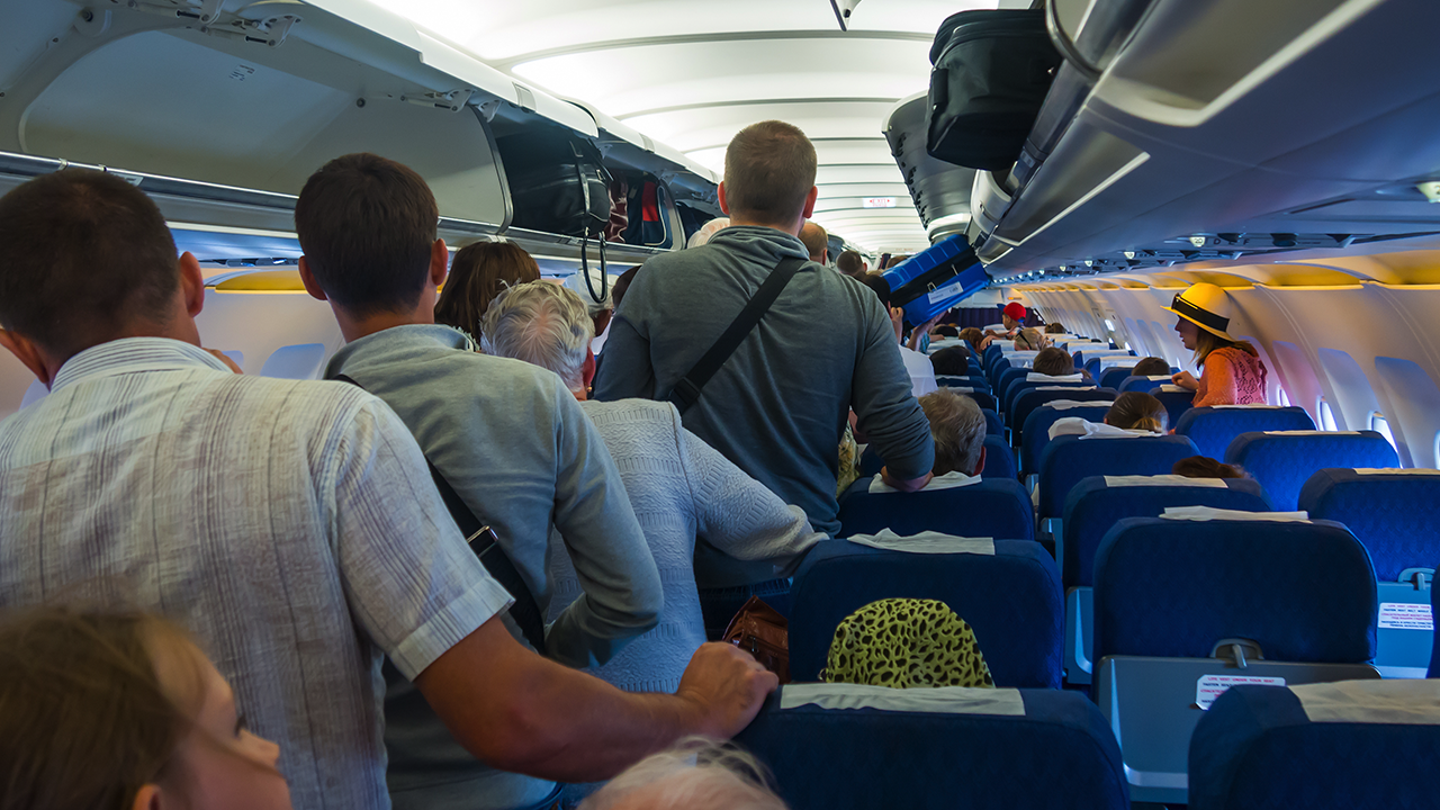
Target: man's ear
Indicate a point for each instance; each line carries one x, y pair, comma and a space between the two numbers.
439, 262
308, 279
980, 465
28, 353
810, 201
725, 207
192, 283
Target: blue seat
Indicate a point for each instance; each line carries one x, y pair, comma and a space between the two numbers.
1434, 671
1037, 428
1068, 459
1093, 360
1259, 747
1395, 515
1175, 399
982, 397
976, 381
1212, 429
1010, 596
1143, 384
971, 748
999, 460
1282, 461
1098, 503
994, 368
1113, 376
1183, 609
1008, 376
1019, 388
1034, 398
993, 507
993, 427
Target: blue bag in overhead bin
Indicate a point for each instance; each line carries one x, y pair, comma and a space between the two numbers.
935, 279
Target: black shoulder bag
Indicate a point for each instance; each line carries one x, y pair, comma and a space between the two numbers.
486, 544
687, 391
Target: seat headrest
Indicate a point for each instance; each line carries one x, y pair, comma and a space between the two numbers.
926, 543
936, 700
1162, 481
1203, 513
1395, 702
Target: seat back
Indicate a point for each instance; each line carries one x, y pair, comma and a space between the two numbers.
993, 426
1212, 429
1113, 376
982, 397
1133, 383
1008, 591
981, 749
1008, 377
1067, 459
1028, 401
975, 381
1175, 399
1283, 461
1394, 513
1037, 426
1097, 503
1019, 388
999, 460
1258, 746
1304, 590
993, 507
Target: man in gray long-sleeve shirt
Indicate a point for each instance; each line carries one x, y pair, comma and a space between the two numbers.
508, 437
778, 406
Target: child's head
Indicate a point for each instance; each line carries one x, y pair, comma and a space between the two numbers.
1053, 362
1150, 367
1206, 467
1136, 410
122, 711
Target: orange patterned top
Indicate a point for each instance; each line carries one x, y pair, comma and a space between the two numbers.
1231, 377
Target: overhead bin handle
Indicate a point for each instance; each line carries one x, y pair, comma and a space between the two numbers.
1066, 46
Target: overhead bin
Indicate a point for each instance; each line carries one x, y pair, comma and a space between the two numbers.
1185, 130
939, 190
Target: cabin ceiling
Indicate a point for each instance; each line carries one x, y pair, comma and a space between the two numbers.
691, 74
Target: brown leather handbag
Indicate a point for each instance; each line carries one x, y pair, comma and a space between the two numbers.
761, 631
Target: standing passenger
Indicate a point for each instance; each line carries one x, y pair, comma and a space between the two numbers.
1231, 371
816, 241
477, 274
290, 525
778, 406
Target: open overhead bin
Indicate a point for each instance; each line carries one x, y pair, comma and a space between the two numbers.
939, 190
1183, 130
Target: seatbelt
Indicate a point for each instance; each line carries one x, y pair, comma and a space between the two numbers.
687, 391
486, 544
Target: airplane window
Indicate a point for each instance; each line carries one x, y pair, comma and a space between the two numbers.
1381, 425
1327, 416
1109, 326
1284, 397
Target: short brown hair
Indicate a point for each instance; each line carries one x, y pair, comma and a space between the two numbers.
1053, 361
769, 171
1055, 328
815, 239
951, 361
1137, 410
85, 721
477, 274
1206, 467
83, 254
877, 282
973, 336
958, 427
367, 225
850, 263
1150, 367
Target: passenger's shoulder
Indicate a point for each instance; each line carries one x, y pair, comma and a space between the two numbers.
630, 411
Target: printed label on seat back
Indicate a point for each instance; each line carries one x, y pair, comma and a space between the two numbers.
1406, 616
1210, 687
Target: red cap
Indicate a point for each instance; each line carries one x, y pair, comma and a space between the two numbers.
1015, 311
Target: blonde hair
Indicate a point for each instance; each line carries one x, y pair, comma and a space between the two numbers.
1207, 342
696, 774
1137, 410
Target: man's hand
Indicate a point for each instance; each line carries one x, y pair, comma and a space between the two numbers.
1185, 380
912, 485
727, 686
222, 357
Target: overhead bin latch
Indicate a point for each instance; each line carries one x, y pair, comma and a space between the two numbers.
268, 31
452, 100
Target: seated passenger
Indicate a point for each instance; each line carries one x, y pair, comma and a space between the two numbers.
1055, 328
478, 273
958, 427
1231, 370
707, 232
1150, 367
951, 361
1206, 467
694, 775
122, 710
1013, 317
973, 336
680, 487
291, 525
1133, 413
922, 374
946, 330
1056, 362
1030, 340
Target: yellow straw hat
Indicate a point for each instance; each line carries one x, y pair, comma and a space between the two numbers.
1206, 306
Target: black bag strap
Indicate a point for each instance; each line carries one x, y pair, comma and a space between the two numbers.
687, 391
486, 544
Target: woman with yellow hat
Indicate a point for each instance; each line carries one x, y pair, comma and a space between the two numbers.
1231, 371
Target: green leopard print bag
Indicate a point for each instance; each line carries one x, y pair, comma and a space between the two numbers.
905, 643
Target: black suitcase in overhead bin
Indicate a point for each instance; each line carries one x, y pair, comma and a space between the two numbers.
991, 72
558, 183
